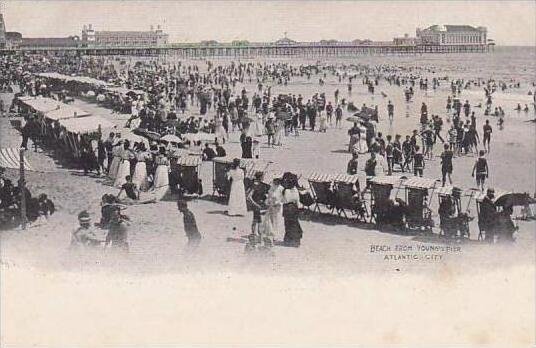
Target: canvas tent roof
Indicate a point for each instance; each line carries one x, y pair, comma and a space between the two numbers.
87, 124
80, 79
40, 104
66, 111
53, 109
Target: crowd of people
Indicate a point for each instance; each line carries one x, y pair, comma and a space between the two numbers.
11, 199
168, 94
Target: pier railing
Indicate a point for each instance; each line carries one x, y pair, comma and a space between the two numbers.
259, 50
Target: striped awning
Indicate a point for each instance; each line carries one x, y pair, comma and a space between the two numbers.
244, 162
447, 191
321, 177
189, 161
421, 183
9, 158
387, 180
224, 160
345, 178
253, 167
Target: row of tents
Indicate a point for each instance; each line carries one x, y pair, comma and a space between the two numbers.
63, 123
74, 119
89, 83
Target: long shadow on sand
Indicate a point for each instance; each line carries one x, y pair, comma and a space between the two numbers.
217, 212
437, 239
59, 158
332, 220
89, 175
340, 151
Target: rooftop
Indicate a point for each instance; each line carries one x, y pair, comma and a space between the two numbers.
453, 28
285, 41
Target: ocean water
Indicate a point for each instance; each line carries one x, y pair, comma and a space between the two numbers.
502, 63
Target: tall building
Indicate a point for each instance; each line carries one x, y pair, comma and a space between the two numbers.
452, 35
96, 38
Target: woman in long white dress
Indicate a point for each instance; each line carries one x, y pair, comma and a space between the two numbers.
140, 171
116, 160
323, 122
124, 166
361, 144
220, 131
278, 132
161, 176
258, 128
237, 196
275, 210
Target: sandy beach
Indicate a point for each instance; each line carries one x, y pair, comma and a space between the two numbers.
330, 243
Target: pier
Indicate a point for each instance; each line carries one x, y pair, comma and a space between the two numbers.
313, 50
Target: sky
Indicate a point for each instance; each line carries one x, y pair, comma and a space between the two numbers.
508, 22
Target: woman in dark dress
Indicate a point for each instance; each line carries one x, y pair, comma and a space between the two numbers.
291, 198
247, 148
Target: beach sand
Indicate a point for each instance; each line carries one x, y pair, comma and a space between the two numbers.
332, 244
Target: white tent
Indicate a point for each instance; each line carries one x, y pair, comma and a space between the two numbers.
66, 111
87, 124
41, 104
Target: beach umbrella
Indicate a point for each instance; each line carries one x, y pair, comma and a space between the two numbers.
147, 134
133, 138
351, 107
514, 199
171, 138
367, 114
353, 119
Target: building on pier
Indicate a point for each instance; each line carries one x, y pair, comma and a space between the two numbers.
435, 39
150, 38
452, 35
